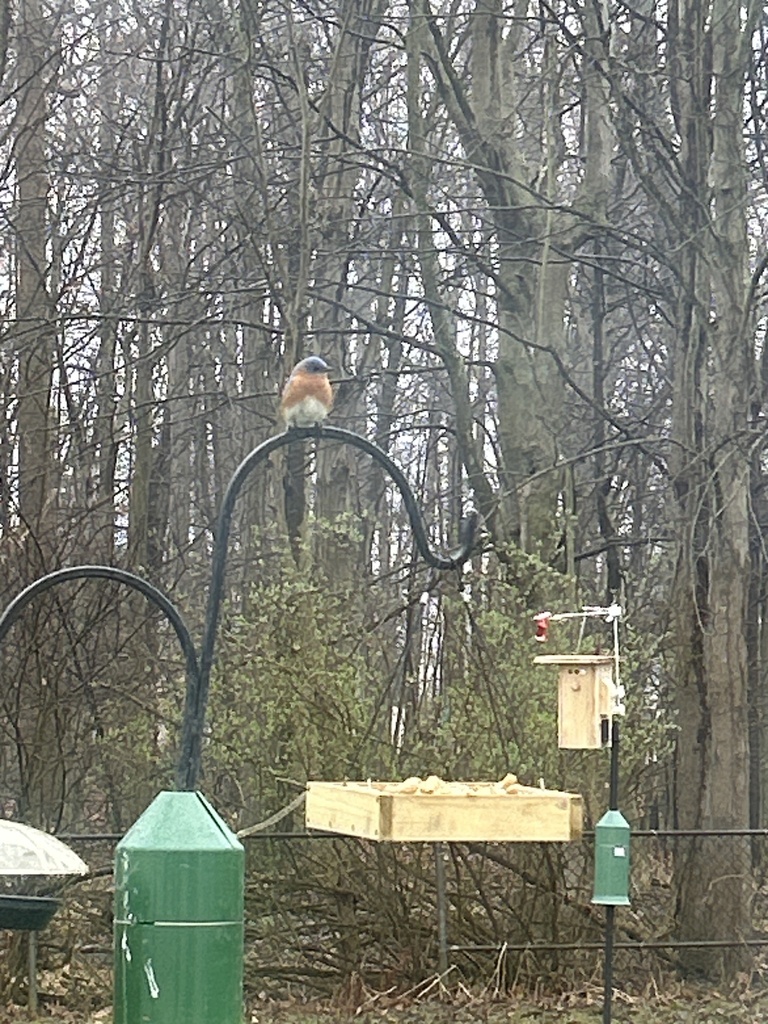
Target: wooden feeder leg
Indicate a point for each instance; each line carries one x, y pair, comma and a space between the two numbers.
442, 908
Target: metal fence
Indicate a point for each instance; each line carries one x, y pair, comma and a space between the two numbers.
323, 909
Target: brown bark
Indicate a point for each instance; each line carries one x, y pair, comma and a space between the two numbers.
536, 231
35, 331
42, 775
712, 395
341, 472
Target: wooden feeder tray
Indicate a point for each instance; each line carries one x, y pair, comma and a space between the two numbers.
457, 812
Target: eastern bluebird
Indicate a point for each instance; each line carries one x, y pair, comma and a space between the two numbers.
307, 396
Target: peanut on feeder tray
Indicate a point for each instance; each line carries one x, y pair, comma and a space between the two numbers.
433, 810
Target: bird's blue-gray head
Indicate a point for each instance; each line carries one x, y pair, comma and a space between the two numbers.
313, 364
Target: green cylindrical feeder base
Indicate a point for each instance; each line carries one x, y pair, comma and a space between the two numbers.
179, 917
178, 973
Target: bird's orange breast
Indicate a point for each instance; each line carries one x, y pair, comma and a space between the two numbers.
307, 385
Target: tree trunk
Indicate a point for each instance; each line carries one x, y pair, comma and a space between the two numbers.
35, 328
340, 544
712, 402
42, 772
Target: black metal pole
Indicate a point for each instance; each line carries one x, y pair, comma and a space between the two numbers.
194, 712
610, 911
613, 791
32, 973
198, 673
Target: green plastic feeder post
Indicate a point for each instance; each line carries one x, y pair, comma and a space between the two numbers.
612, 860
179, 916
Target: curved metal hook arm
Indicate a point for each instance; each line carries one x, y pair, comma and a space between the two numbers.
194, 714
467, 537
13, 610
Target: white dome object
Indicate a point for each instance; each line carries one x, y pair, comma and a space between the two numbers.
28, 851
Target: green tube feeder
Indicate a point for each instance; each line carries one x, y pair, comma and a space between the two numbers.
612, 834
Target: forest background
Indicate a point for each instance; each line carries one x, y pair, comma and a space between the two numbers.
530, 237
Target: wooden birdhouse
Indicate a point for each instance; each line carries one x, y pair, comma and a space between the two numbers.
586, 699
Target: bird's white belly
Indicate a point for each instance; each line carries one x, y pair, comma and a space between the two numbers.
306, 413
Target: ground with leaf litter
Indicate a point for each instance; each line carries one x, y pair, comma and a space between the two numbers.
686, 1005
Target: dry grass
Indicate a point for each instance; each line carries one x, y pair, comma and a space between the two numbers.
434, 1002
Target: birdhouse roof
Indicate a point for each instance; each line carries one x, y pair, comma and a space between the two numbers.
584, 660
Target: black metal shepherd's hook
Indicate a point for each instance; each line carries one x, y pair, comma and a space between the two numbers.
198, 673
194, 712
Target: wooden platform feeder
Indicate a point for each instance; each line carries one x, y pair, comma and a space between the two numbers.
586, 699
460, 812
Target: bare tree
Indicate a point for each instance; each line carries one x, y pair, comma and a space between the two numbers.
713, 390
